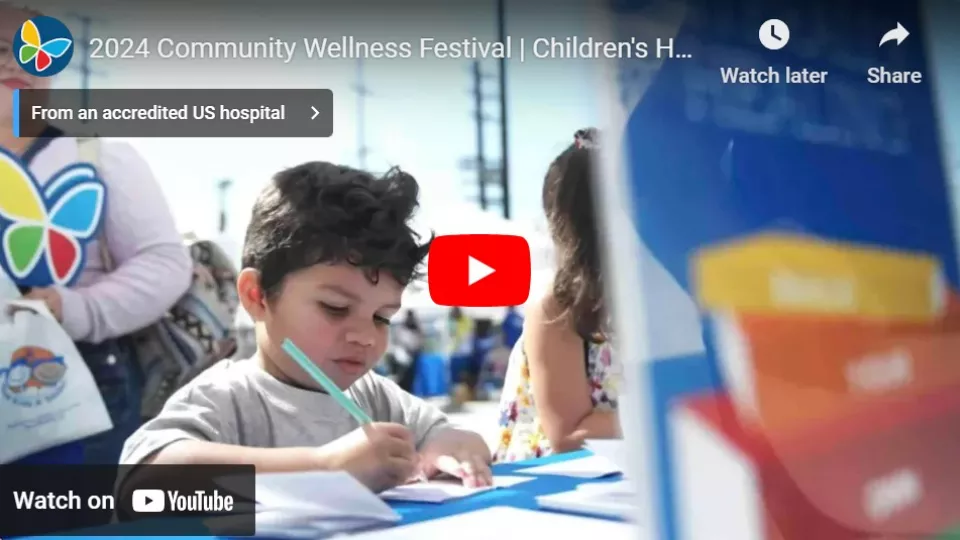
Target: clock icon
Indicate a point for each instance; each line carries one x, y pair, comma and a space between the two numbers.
774, 34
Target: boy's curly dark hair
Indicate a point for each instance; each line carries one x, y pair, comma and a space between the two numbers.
568, 202
319, 212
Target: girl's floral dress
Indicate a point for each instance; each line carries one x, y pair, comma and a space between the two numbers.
521, 435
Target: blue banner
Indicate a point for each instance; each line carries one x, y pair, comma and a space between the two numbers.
742, 189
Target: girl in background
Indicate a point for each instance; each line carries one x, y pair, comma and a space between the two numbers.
561, 383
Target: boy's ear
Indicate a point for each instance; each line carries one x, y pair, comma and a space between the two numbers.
250, 293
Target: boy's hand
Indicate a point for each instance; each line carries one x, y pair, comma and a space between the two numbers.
461, 454
380, 455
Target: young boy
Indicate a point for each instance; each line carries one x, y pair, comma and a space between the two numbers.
327, 255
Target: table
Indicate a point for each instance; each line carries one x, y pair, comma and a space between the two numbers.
519, 496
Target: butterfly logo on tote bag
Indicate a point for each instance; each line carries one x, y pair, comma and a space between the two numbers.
44, 231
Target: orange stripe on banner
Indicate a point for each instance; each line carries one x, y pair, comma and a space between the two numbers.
800, 369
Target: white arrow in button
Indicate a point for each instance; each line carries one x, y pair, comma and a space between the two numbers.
476, 271
316, 113
899, 33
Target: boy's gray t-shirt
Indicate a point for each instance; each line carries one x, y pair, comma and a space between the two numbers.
236, 402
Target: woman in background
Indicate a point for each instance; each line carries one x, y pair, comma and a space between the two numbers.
561, 384
143, 271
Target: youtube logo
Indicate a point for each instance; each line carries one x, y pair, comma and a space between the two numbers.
479, 270
148, 501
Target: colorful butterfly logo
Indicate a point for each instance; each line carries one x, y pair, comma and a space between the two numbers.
44, 232
41, 53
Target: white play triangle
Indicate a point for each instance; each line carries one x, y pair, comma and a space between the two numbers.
476, 271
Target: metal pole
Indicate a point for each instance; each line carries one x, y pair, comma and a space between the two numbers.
361, 116
85, 71
223, 186
83, 49
478, 118
504, 139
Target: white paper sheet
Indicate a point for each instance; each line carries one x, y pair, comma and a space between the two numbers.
501, 522
321, 494
586, 467
620, 487
295, 525
438, 491
611, 499
614, 450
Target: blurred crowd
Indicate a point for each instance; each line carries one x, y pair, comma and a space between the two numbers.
472, 352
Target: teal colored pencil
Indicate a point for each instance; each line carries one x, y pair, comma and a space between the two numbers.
321, 378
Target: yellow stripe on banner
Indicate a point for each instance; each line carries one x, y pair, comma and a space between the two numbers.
795, 274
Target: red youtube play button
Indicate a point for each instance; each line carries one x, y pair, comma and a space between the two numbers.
479, 270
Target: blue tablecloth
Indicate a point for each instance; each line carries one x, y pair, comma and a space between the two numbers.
519, 496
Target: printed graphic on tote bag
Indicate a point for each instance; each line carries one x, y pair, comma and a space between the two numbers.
35, 376
44, 230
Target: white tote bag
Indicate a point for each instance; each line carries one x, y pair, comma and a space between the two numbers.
8, 291
48, 396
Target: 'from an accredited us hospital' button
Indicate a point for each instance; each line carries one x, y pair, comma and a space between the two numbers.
175, 113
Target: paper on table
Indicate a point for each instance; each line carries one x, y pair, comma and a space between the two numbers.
299, 524
620, 487
438, 491
611, 499
322, 494
505, 522
614, 450
586, 467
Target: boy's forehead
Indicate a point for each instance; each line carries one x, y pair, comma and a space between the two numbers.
350, 280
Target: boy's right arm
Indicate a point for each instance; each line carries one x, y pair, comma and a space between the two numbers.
381, 456
197, 452
199, 426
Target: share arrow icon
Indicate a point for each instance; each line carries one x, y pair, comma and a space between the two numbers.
899, 33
